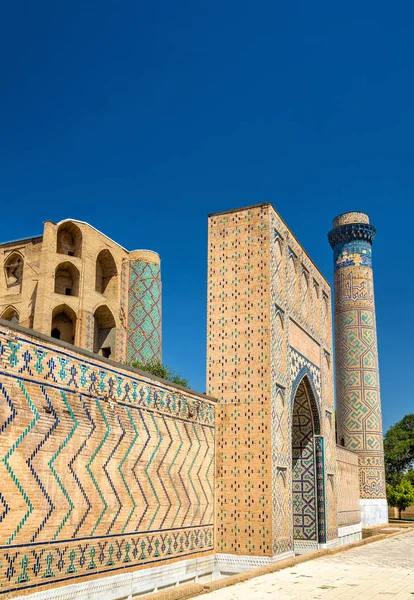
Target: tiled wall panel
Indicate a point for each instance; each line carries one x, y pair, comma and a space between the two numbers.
101, 469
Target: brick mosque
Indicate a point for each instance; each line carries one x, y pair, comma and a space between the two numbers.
116, 483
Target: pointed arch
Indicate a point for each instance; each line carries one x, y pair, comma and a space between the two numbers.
304, 292
304, 474
304, 376
64, 323
13, 269
280, 422
10, 314
106, 275
69, 239
67, 279
325, 316
315, 306
308, 478
292, 281
104, 335
280, 340
278, 263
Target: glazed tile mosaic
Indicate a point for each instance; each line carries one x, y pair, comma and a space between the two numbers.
358, 392
144, 312
101, 469
269, 322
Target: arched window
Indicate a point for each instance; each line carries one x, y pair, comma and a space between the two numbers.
106, 281
13, 267
104, 338
64, 324
67, 279
10, 314
69, 239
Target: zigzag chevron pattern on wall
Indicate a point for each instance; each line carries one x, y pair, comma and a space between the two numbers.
144, 314
99, 469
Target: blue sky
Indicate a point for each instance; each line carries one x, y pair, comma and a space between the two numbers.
141, 118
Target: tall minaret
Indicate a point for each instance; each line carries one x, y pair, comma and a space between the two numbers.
358, 400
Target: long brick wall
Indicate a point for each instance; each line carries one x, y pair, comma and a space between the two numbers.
102, 469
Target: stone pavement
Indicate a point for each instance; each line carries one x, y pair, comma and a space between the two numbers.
382, 570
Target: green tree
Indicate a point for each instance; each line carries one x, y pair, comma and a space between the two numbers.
400, 495
155, 367
409, 476
399, 449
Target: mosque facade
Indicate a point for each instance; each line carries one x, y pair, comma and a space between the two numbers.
118, 483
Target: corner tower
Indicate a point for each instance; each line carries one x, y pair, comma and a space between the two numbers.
357, 375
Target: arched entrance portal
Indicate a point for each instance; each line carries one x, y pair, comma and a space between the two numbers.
307, 471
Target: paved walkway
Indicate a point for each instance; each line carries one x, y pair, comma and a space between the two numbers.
381, 570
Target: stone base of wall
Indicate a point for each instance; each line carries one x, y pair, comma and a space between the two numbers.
196, 570
305, 546
230, 564
349, 534
374, 512
346, 535
135, 583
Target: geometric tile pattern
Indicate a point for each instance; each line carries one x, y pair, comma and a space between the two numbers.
357, 374
282, 540
301, 299
255, 291
101, 469
303, 469
350, 217
90, 331
300, 365
321, 484
144, 312
33, 567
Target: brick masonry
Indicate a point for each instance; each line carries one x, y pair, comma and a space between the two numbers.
80, 254
103, 469
357, 370
269, 347
347, 487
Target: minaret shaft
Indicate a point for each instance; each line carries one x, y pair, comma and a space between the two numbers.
357, 374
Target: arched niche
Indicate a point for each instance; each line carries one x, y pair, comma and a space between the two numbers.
105, 329
325, 316
69, 239
13, 268
280, 341
10, 314
67, 279
64, 324
315, 306
278, 266
305, 426
291, 281
106, 275
304, 286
